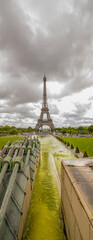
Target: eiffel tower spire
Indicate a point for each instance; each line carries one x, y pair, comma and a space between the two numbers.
44, 110
44, 93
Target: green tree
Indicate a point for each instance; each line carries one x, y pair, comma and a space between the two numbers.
29, 129
6, 128
64, 130
13, 132
90, 129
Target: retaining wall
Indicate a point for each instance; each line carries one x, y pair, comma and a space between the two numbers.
77, 216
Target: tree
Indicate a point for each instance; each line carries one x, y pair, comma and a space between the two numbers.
90, 129
29, 129
80, 128
13, 132
64, 130
6, 128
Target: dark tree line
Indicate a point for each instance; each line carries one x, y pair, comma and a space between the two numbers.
76, 131
13, 130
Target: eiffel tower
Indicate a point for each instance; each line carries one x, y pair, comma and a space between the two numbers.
44, 111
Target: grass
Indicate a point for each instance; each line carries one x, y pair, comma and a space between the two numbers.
4, 140
84, 144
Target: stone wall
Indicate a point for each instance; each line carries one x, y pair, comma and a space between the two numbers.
77, 216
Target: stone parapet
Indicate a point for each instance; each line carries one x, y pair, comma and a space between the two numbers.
77, 198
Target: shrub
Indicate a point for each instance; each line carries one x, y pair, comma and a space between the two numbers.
85, 154
68, 144
77, 150
72, 147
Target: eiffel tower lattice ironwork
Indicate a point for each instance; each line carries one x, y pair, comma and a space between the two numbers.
44, 111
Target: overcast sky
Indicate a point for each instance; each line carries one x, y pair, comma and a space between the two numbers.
55, 37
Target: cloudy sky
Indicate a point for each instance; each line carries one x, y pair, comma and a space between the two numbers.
55, 37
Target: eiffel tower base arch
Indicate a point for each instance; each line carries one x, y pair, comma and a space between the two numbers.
44, 122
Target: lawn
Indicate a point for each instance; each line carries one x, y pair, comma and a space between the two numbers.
4, 140
84, 144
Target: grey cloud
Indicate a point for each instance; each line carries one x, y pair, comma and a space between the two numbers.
19, 110
53, 109
81, 109
78, 116
21, 115
79, 112
36, 37
77, 122
55, 53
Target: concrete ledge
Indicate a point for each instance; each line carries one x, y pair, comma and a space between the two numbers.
77, 212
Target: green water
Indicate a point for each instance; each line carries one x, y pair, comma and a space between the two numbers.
43, 220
